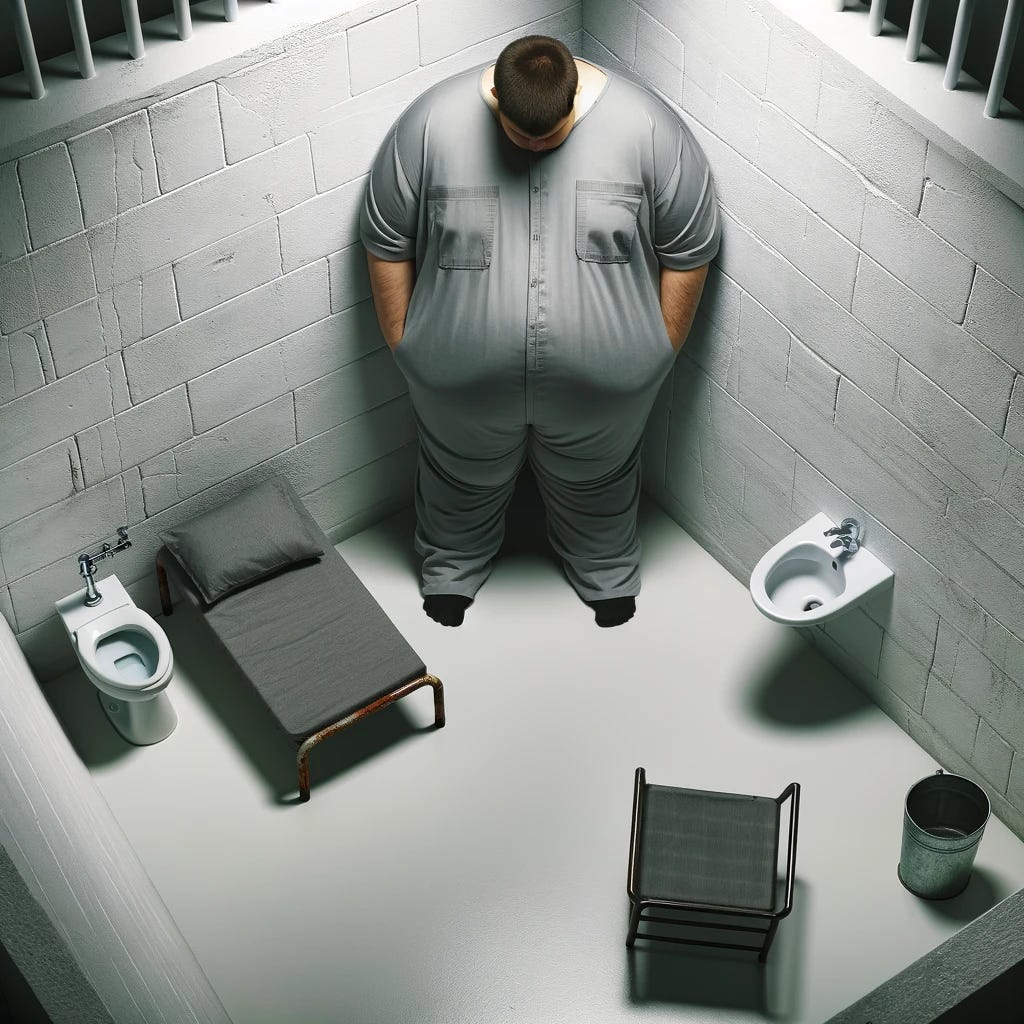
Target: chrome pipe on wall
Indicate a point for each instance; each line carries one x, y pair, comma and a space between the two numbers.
79, 32
1007, 41
27, 49
958, 47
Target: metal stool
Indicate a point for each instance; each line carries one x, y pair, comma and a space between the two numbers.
697, 852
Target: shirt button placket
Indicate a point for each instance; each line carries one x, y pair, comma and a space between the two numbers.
532, 300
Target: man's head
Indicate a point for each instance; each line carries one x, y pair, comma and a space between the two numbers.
535, 83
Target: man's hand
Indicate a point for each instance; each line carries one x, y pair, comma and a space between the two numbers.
391, 284
680, 293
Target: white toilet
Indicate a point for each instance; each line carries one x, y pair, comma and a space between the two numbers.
127, 656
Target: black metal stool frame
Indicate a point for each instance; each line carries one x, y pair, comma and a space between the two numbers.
639, 903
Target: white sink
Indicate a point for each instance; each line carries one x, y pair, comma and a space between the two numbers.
802, 580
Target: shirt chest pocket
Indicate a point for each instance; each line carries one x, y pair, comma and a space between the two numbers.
606, 213
462, 221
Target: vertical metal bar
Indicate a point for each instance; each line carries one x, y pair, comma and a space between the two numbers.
876, 17
838, 5
961, 30
133, 27
1011, 23
230, 10
27, 49
915, 32
182, 19
81, 36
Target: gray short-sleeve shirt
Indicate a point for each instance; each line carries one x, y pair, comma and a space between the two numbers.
515, 248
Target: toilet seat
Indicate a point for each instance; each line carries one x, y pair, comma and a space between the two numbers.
142, 649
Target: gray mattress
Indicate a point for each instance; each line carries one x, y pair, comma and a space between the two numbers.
312, 639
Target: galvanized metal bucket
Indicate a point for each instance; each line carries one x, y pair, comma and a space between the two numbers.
944, 817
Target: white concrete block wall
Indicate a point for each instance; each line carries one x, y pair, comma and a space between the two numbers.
859, 351
185, 308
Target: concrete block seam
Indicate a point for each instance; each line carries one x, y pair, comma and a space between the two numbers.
924, 180
188, 405
952, 398
75, 463
1006, 417
220, 124
739, 221
112, 221
248, 291
866, 182
174, 289
935, 647
23, 209
74, 178
334, 426
348, 51
419, 46
45, 353
855, 503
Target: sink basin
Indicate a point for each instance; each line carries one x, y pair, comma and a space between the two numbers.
802, 581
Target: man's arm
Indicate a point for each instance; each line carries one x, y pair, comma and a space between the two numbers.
680, 293
391, 284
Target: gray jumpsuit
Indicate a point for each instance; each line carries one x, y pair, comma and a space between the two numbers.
535, 328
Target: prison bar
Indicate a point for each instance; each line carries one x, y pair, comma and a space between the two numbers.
958, 45
876, 17
133, 27
957, 49
1011, 24
915, 33
27, 49
79, 32
182, 19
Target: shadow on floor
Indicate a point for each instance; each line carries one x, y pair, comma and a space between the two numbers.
75, 703
725, 978
220, 684
983, 892
800, 689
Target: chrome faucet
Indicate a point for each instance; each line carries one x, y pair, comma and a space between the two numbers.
87, 565
848, 536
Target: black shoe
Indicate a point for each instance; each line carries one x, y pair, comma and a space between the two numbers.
614, 611
448, 609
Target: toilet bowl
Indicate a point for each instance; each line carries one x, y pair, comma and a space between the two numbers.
803, 580
127, 657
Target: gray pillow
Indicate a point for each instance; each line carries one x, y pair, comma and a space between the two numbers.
255, 534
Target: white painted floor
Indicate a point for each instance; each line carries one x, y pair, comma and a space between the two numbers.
477, 873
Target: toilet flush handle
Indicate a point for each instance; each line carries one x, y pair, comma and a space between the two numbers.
87, 565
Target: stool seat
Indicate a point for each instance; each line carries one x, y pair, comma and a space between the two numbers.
705, 847
696, 854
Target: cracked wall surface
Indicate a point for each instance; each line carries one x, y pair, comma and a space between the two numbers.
859, 350
185, 308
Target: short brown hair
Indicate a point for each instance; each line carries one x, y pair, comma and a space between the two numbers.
535, 79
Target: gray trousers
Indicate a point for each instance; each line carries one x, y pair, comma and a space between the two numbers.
481, 418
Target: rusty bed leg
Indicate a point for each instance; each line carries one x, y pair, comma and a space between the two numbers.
303, 762
302, 758
438, 700
165, 590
